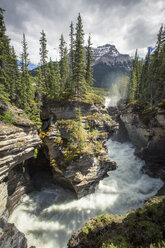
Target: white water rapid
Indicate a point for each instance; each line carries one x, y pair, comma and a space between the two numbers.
49, 217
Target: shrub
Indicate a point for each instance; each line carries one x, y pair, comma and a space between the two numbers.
6, 117
35, 153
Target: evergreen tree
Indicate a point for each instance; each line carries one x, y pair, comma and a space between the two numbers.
25, 90
4, 49
161, 88
14, 76
39, 87
64, 64
43, 53
89, 59
151, 87
71, 49
79, 66
58, 78
145, 75
51, 81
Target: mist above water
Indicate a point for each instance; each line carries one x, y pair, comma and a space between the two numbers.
50, 216
118, 91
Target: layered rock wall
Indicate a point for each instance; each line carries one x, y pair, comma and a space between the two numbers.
148, 138
17, 145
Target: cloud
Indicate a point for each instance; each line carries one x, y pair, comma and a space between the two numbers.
126, 23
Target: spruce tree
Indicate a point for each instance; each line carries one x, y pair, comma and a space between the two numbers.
14, 76
58, 78
51, 81
161, 88
89, 59
79, 66
43, 54
71, 51
4, 50
25, 88
145, 76
39, 86
64, 65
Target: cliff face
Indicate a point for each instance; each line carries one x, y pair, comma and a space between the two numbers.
147, 133
145, 128
17, 145
18, 141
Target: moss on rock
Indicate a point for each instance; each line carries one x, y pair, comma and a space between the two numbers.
142, 228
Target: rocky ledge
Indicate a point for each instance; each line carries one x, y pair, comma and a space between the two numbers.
143, 227
10, 236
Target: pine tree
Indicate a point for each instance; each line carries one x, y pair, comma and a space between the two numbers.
58, 78
64, 64
89, 59
4, 50
43, 54
51, 81
39, 86
14, 76
161, 88
79, 66
25, 90
145, 75
71, 49
151, 87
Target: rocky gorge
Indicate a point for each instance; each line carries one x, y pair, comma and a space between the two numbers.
61, 158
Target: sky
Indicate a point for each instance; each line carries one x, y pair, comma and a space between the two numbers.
127, 24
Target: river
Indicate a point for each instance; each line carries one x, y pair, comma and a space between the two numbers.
49, 217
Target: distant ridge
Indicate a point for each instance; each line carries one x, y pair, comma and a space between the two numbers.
109, 65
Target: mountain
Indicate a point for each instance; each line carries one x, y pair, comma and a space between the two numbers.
109, 65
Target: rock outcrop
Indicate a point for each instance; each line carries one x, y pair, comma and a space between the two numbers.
80, 170
10, 236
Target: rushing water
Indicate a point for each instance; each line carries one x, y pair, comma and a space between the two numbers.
49, 217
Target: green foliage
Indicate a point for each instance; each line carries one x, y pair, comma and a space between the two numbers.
34, 113
71, 51
35, 153
161, 104
89, 59
64, 65
134, 83
116, 242
8, 65
92, 98
79, 60
43, 53
147, 81
159, 245
6, 117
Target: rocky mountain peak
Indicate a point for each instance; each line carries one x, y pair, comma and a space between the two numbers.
105, 49
109, 54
